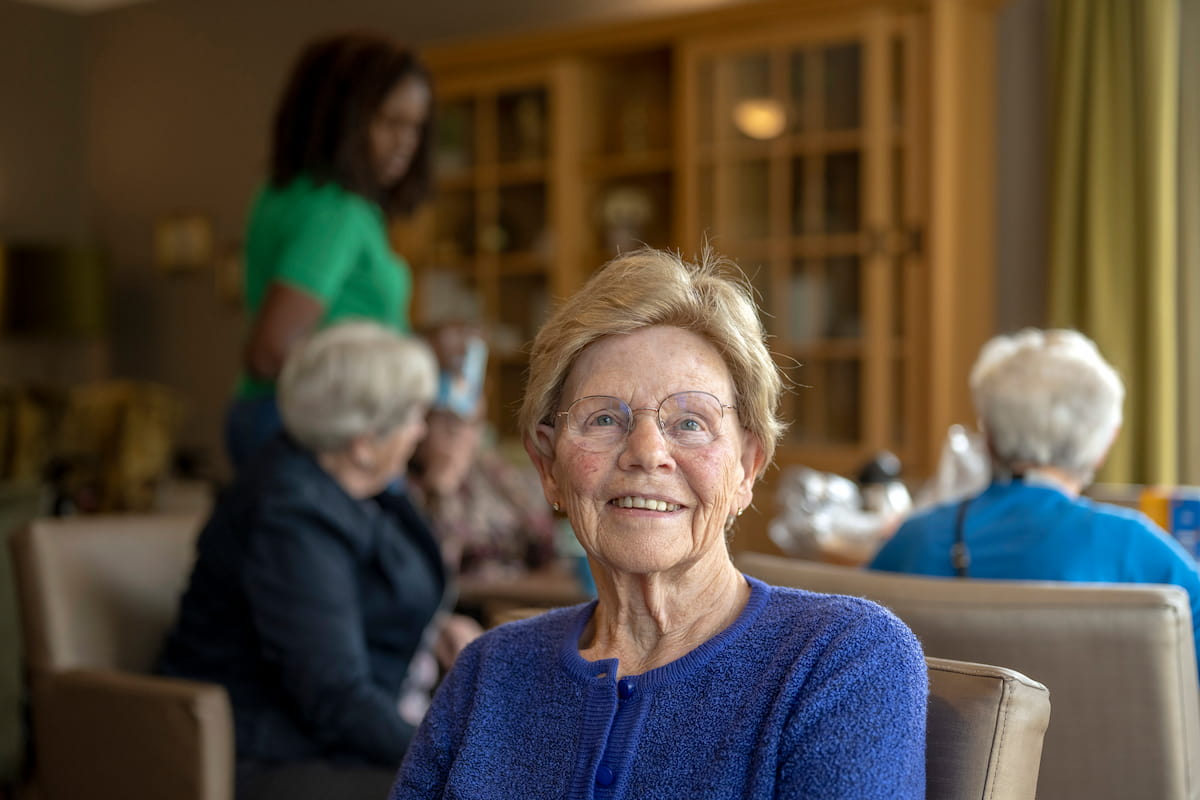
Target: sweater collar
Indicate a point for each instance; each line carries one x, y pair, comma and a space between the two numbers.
681, 668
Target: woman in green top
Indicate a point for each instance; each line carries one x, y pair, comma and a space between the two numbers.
350, 150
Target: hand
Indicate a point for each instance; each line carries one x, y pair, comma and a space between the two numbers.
457, 632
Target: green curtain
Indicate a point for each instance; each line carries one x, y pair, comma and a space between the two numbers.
1189, 243
1113, 247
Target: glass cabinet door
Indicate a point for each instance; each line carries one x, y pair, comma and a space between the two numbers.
491, 258
794, 171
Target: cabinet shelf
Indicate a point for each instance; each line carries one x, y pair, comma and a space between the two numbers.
824, 349
527, 263
623, 166
458, 181
524, 172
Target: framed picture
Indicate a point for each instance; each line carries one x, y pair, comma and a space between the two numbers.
183, 242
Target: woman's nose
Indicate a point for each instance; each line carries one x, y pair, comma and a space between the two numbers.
408, 137
646, 445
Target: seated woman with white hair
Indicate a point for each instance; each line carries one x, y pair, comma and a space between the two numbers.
1049, 406
317, 588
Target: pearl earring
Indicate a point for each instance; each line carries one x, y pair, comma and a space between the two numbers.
555, 506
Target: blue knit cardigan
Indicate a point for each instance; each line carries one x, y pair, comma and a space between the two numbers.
804, 696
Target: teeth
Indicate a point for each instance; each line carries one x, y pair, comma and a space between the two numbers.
645, 502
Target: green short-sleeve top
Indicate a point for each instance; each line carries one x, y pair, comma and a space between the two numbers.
329, 243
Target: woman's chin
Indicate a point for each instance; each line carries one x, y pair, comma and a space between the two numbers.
629, 562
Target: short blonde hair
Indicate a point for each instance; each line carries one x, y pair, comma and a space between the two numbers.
647, 287
351, 379
1047, 398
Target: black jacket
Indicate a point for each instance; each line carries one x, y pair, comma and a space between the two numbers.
308, 605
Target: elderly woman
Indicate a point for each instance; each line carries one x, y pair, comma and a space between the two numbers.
485, 509
1049, 406
315, 587
650, 412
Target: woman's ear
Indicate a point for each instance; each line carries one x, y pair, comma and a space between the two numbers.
363, 452
754, 461
540, 448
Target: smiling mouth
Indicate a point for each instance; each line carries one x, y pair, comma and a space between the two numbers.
647, 503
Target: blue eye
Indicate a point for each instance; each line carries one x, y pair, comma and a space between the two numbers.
603, 420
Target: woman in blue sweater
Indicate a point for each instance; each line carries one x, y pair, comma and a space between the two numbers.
650, 413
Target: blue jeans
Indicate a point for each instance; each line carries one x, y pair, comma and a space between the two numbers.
250, 423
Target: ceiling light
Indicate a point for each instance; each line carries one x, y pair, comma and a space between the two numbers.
760, 117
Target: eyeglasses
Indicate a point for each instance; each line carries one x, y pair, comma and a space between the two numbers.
599, 423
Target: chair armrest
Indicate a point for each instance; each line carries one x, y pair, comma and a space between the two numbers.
106, 734
985, 731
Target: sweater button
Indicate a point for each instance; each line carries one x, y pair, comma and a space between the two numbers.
604, 776
625, 688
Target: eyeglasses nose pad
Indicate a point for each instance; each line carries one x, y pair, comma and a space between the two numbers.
657, 420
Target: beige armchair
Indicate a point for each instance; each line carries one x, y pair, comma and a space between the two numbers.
1119, 661
96, 596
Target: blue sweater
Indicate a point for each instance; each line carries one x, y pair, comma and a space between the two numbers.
804, 696
1024, 531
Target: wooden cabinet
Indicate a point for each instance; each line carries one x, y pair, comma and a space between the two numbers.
803, 162
840, 152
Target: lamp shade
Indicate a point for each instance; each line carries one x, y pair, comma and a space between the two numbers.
53, 290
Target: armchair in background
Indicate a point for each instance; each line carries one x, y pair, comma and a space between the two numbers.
1119, 661
96, 596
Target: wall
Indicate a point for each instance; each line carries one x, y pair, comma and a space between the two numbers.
41, 124
43, 185
1022, 178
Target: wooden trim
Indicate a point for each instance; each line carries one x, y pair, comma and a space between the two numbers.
878, 322
961, 240
472, 53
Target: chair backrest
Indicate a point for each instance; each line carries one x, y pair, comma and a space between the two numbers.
102, 590
984, 733
1118, 659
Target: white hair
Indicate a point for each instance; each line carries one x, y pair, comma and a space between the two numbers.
1047, 398
353, 379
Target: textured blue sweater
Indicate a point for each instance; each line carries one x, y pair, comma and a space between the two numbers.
804, 696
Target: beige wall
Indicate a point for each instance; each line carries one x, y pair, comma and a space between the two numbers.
41, 131
162, 107
1022, 177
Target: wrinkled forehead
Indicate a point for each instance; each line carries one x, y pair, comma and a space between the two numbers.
645, 366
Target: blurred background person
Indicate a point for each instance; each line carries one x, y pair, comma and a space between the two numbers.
486, 509
1049, 407
650, 413
318, 593
350, 150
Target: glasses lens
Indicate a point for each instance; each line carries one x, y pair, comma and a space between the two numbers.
598, 422
687, 419
691, 419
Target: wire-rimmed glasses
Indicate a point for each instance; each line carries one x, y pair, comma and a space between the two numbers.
600, 423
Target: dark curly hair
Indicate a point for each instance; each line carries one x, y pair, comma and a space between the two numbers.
321, 126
